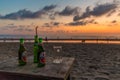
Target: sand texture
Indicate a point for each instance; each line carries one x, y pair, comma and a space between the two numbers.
92, 61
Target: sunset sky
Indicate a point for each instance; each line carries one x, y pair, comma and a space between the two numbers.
61, 18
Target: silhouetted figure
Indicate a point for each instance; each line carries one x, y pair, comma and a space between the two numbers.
83, 41
46, 39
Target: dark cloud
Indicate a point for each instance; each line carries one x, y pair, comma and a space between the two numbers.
111, 12
91, 21
45, 11
82, 23
67, 11
84, 15
70, 11
103, 9
98, 10
95, 22
77, 23
47, 25
51, 24
114, 21
55, 23
23, 14
48, 8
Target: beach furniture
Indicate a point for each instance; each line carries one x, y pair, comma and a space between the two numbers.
9, 70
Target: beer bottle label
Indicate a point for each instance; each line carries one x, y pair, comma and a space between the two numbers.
23, 57
35, 44
42, 57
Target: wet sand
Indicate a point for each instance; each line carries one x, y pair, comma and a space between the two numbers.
93, 61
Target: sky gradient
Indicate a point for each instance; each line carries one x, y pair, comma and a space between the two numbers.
63, 18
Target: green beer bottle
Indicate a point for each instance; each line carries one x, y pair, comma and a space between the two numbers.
35, 50
41, 54
21, 53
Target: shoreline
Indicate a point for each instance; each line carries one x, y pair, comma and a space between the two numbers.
44, 42
109, 41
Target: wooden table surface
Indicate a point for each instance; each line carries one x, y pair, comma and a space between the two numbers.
51, 71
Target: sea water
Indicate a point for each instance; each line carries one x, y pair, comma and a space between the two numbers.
70, 40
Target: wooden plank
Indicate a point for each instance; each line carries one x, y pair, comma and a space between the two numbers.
51, 70
18, 76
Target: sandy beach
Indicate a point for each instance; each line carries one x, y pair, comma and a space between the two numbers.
92, 61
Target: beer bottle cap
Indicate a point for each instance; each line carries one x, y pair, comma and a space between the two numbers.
40, 40
21, 40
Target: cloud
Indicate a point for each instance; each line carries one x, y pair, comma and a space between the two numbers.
46, 11
17, 27
23, 14
84, 15
55, 23
97, 11
119, 14
52, 24
23, 28
82, 23
67, 11
103, 9
111, 12
9, 26
48, 8
114, 21
70, 11
46, 25
29, 30
77, 23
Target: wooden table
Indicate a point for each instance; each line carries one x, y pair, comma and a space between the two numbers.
9, 70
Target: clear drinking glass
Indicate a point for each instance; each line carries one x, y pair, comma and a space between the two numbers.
57, 57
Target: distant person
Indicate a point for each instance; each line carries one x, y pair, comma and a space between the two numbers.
83, 41
46, 39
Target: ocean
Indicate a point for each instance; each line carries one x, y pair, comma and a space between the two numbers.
4, 38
